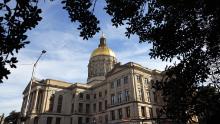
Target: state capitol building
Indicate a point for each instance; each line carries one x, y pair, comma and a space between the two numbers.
113, 94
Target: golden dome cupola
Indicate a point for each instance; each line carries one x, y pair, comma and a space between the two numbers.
102, 49
102, 60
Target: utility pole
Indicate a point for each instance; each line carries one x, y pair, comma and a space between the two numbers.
29, 89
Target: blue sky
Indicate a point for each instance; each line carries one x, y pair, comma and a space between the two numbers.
67, 54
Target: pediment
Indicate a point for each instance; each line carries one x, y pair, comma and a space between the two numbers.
116, 69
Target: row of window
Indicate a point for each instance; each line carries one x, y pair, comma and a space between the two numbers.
144, 114
88, 108
118, 82
50, 119
34, 96
148, 95
58, 120
120, 113
120, 96
81, 95
146, 81
93, 121
59, 103
80, 120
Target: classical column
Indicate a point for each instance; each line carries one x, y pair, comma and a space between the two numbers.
35, 101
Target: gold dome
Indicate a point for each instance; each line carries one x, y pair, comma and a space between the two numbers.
102, 49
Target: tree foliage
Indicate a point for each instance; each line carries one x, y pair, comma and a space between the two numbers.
12, 118
187, 30
15, 19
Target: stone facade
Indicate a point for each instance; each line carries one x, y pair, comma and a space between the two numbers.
113, 94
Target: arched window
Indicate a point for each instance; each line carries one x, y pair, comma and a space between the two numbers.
59, 105
51, 103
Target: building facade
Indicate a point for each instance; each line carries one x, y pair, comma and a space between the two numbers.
114, 93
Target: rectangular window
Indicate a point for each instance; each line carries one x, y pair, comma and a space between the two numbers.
100, 106
113, 115
148, 96
106, 104
58, 120
87, 108
71, 120
94, 96
94, 107
79, 120
119, 97
49, 120
145, 80
127, 95
140, 94
120, 113
80, 107
87, 120
100, 94
94, 121
72, 110
143, 111
151, 112
118, 82
106, 92
125, 79
59, 104
112, 85
87, 96
50, 104
112, 99
158, 112
100, 119
155, 97
36, 120
138, 78
81, 95
106, 119
128, 111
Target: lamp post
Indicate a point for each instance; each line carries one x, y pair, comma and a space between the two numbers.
29, 89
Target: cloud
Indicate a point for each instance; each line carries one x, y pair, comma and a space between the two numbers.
10, 104
67, 55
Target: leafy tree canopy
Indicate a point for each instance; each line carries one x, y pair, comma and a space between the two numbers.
15, 19
12, 118
184, 29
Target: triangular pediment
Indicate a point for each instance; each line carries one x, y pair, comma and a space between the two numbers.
116, 69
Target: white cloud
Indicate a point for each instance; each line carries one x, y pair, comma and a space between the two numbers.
10, 104
67, 56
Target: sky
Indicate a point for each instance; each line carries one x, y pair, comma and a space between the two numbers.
67, 54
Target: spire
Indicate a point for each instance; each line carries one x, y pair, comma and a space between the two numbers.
102, 40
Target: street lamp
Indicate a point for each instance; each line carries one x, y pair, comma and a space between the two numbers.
29, 89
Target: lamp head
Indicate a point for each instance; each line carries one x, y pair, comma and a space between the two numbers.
44, 51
